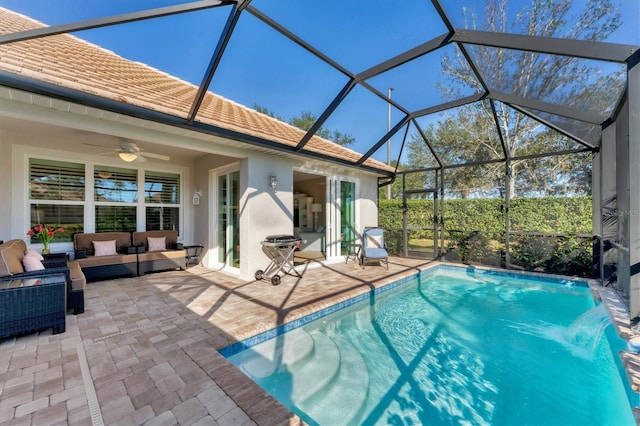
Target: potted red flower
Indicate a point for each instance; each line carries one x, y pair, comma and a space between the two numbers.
44, 234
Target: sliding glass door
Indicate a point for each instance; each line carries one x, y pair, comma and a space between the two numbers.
347, 216
228, 222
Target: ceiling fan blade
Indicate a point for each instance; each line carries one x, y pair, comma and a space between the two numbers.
156, 156
101, 146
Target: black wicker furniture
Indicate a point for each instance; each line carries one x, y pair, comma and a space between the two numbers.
12, 255
76, 279
32, 304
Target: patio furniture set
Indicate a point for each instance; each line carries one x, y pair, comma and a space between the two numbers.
38, 297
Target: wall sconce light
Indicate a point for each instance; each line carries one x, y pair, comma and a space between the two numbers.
273, 182
196, 197
127, 156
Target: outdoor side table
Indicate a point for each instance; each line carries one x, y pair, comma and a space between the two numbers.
61, 257
33, 304
193, 254
353, 252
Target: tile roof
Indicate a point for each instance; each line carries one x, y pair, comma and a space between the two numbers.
71, 62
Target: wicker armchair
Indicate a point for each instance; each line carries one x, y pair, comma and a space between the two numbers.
11, 269
12, 254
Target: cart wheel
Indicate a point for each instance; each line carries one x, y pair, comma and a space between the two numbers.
275, 280
259, 274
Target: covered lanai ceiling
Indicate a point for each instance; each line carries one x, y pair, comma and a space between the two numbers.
371, 70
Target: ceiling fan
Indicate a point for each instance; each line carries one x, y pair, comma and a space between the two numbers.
129, 151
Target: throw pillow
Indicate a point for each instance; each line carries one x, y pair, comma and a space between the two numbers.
104, 248
32, 261
156, 243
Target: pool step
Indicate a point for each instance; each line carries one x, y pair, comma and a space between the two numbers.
275, 355
317, 372
340, 401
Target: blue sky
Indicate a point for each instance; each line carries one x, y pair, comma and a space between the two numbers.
263, 68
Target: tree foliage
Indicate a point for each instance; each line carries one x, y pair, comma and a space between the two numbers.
469, 134
305, 120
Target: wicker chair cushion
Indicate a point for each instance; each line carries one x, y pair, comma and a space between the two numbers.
32, 261
11, 255
157, 243
105, 248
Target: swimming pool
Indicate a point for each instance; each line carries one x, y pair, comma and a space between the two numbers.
451, 346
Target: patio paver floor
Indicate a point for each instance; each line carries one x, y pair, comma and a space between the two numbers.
145, 349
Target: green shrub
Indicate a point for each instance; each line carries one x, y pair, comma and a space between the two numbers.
475, 229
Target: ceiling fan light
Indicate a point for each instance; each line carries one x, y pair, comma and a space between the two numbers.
127, 156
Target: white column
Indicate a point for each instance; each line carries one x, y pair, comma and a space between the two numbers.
633, 135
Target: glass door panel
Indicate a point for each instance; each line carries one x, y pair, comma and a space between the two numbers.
222, 218
234, 225
347, 216
228, 219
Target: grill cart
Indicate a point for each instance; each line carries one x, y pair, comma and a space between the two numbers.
280, 248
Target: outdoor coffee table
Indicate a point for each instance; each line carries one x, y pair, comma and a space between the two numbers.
32, 304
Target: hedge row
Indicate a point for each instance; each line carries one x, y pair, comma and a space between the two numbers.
474, 231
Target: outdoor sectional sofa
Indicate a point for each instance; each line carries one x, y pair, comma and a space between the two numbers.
120, 263
130, 255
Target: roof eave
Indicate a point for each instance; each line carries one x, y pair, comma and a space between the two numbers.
54, 91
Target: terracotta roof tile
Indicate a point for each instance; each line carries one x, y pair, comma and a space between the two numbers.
68, 61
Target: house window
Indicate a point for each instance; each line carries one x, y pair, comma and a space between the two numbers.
115, 192
56, 196
162, 201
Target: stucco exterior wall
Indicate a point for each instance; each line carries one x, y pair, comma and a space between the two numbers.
5, 187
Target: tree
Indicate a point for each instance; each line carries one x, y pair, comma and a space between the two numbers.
469, 134
305, 120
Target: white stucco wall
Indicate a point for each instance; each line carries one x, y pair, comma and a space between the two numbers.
264, 211
5, 188
367, 195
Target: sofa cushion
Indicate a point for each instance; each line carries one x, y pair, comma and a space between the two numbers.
157, 243
32, 261
104, 248
140, 238
11, 255
78, 280
118, 259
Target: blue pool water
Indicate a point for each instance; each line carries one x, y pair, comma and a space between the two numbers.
452, 346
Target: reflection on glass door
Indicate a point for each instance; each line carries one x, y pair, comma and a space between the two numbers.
347, 215
228, 223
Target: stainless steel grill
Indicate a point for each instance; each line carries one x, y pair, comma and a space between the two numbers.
281, 250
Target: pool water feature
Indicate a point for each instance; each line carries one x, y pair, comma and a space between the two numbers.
453, 346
